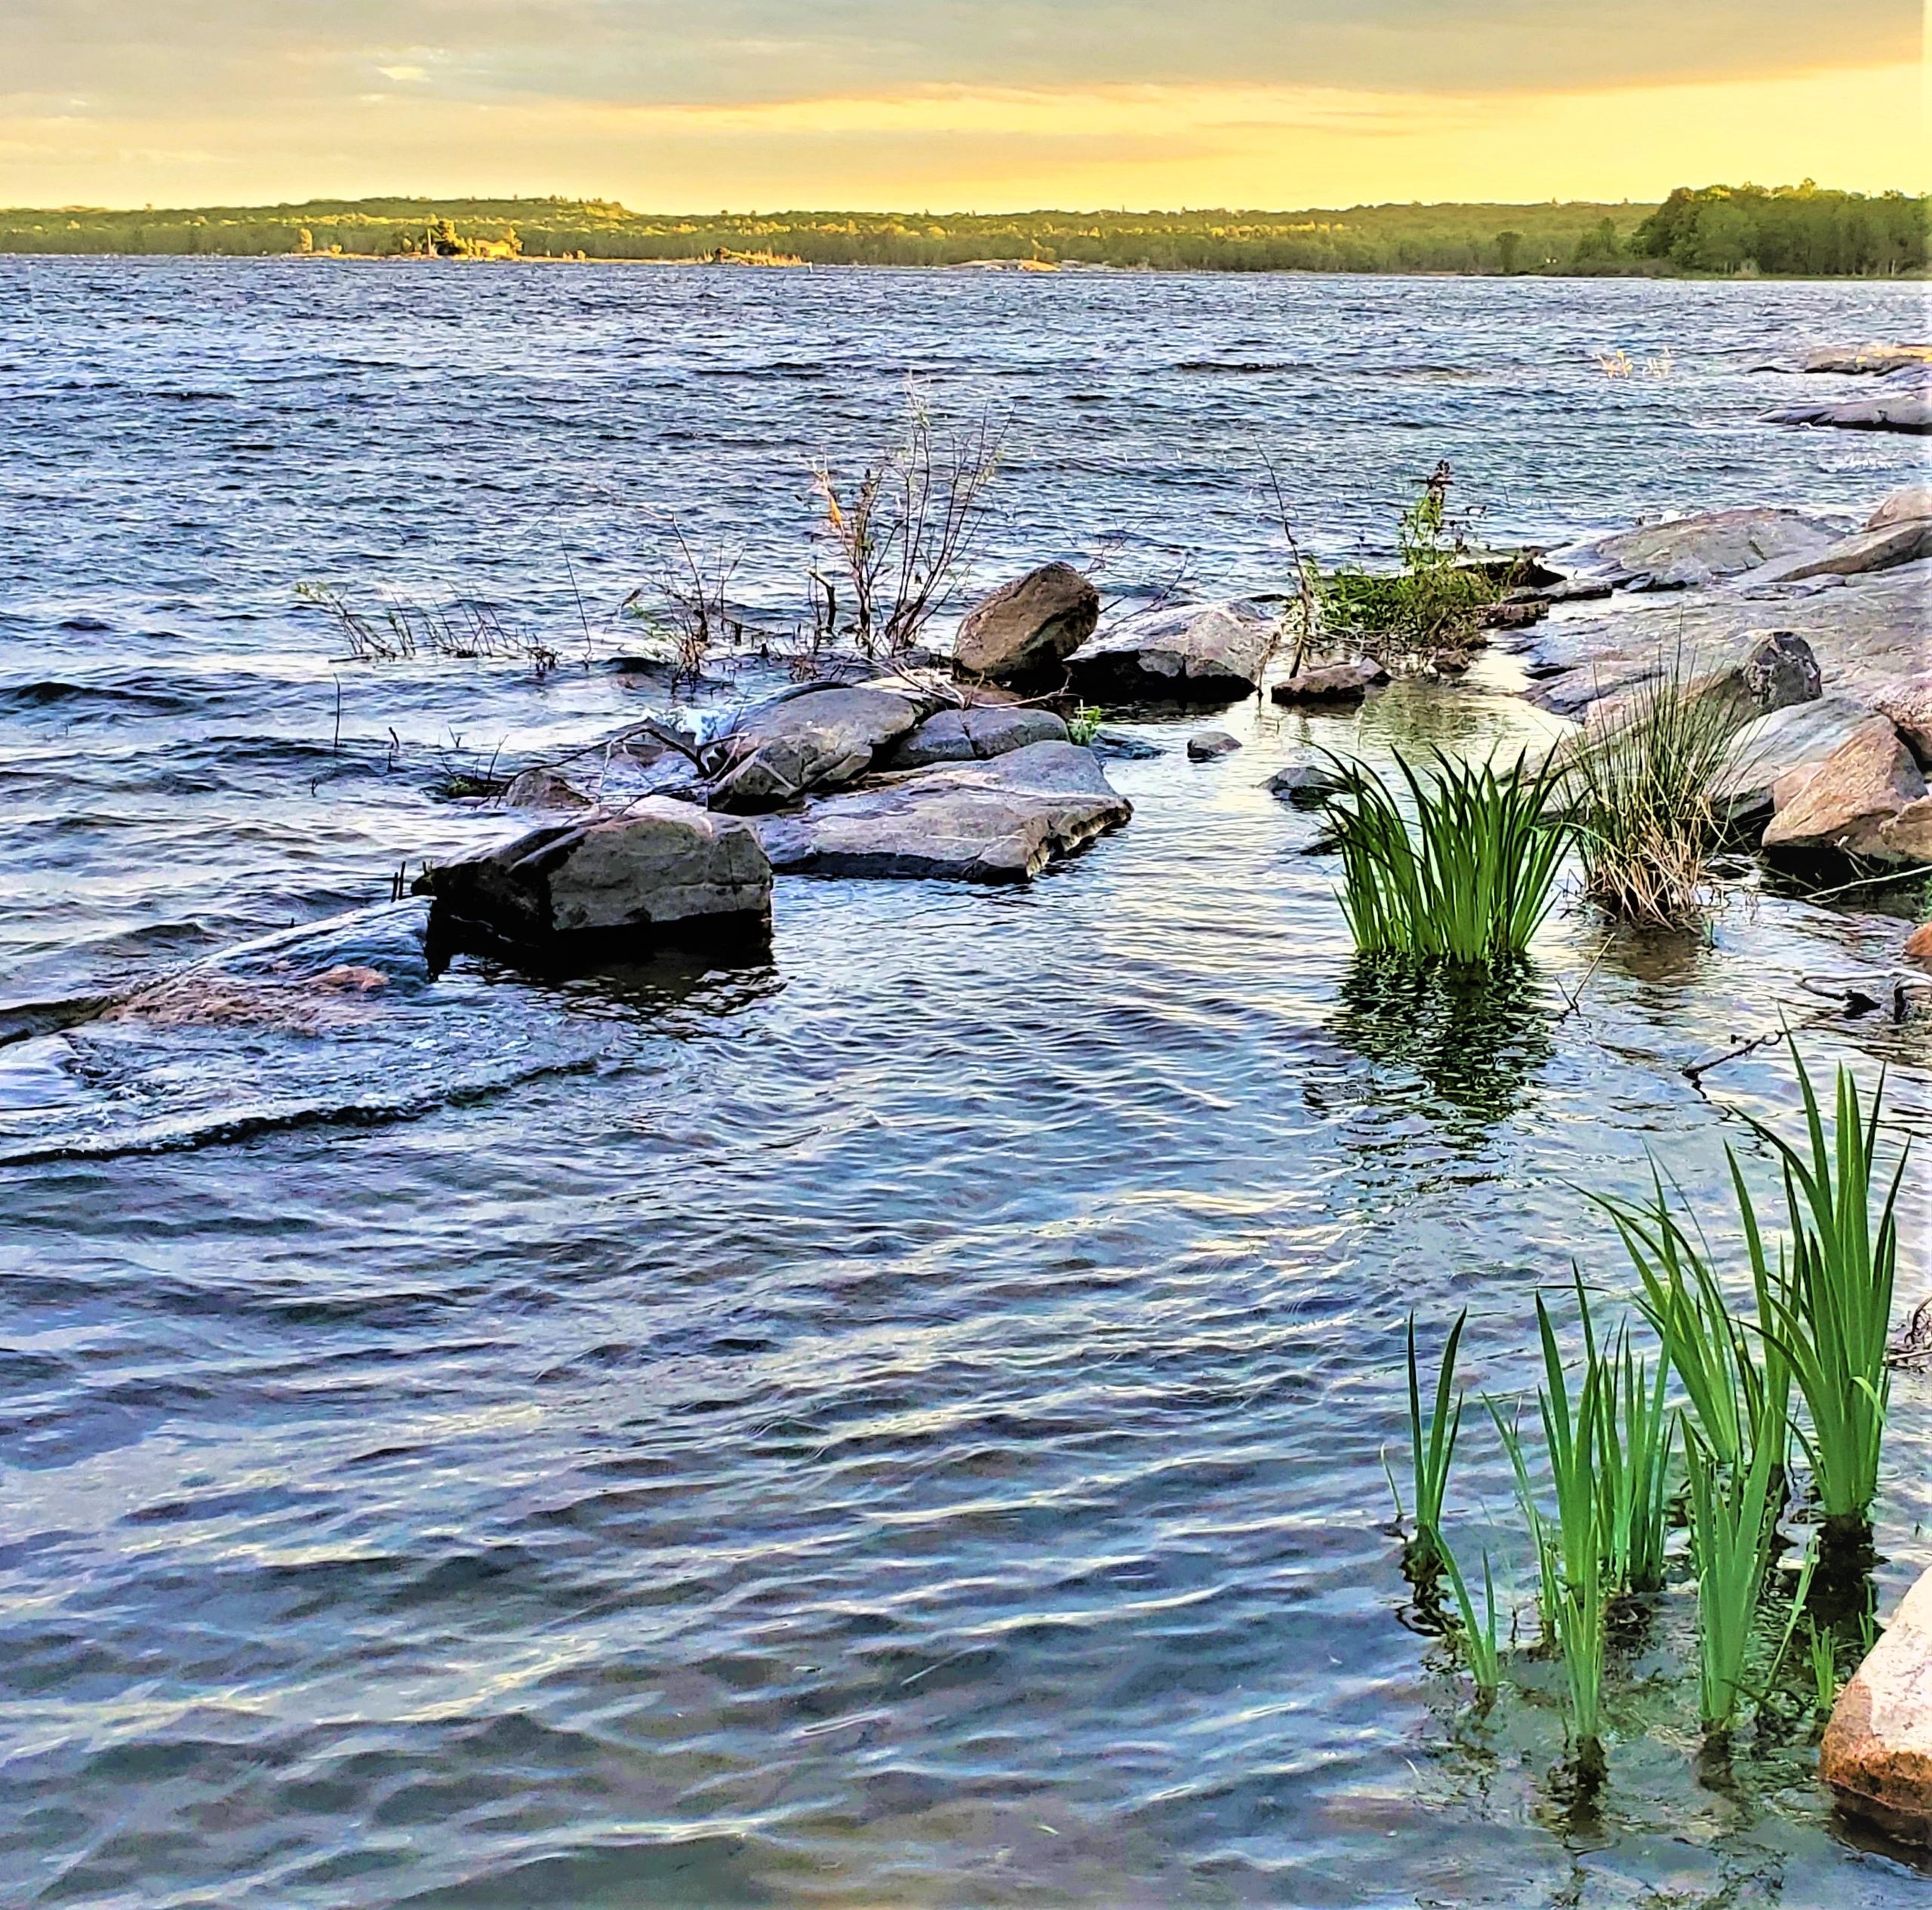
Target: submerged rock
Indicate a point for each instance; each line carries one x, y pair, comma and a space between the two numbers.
1875, 358
544, 789
1902, 402
1306, 785
1205, 745
1201, 652
1877, 1753
975, 735
1329, 683
1691, 550
660, 868
1850, 804
1029, 627
816, 740
1002, 821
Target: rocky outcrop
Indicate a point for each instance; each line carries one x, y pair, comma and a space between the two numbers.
974, 735
1910, 502
1329, 683
1204, 746
1002, 821
1198, 652
1854, 802
1896, 543
659, 869
1691, 550
1028, 628
784, 749
1868, 358
1877, 1753
1901, 402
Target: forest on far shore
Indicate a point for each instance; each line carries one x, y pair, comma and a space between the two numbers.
1803, 231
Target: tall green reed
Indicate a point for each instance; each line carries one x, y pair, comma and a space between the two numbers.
1473, 878
1634, 1431
1732, 1523
1432, 1446
1481, 1651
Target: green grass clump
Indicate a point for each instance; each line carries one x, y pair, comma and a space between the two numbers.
1644, 789
1432, 1447
1472, 880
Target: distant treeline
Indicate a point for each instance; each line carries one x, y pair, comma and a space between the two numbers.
1800, 229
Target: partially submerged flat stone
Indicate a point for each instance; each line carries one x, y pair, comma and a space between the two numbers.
975, 735
659, 867
1876, 548
1698, 549
1877, 1753
1329, 683
1002, 821
1203, 652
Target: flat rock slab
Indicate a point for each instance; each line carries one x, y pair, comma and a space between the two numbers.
658, 866
1897, 542
1877, 1755
1331, 683
1197, 652
1002, 821
1697, 550
784, 749
1851, 805
1903, 401
1785, 746
975, 735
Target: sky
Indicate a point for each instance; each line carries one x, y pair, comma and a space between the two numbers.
952, 105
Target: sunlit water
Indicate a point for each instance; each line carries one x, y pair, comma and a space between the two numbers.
903, 1424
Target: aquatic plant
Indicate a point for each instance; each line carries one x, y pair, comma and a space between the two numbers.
1830, 1315
402, 629
1643, 788
905, 530
1477, 1642
1732, 1523
1473, 879
1634, 1440
1433, 1445
684, 602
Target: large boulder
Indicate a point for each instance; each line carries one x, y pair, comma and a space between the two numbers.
1897, 543
1785, 746
1910, 502
1877, 1753
1213, 653
782, 749
1697, 550
1028, 628
1002, 821
659, 869
975, 735
1843, 806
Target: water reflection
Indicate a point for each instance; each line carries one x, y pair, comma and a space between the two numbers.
1475, 1038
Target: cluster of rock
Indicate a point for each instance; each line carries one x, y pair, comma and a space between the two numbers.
1901, 400
1840, 774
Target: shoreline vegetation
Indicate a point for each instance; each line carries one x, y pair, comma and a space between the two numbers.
1804, 231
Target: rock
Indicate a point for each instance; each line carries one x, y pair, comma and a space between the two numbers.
1514, 613
1842, 805
1029, 627
1903, 402
305, 980
1778, 668
1305, 784
543, 788
1203, 652
818, 740
1865, 550
1909, 705
1868, 358
1331, 683
1002, 821
1205, 745
1877, 1753
659, 867
1785, 746
966, 736
1918, 945
1910, 502
1690, 551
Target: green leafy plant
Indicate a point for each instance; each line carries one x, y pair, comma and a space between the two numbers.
1477, 1642
1831, 1313
1083, 725
1433, 1445
1644, 789
1472, 880
1634, 1440
1732, 1520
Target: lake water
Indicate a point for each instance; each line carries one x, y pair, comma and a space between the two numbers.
903, 1424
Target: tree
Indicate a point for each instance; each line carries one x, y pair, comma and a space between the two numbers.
1509, 245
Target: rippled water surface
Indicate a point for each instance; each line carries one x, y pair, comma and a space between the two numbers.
902, 1424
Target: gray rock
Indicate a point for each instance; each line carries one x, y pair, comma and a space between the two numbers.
1201, 652
543, 788
1002, 821
1889, 544
1306, 785
1901, 507
1205, 745
1693, 551
659, 868
1796, 738
793, 744
1843, 806
1909, 705
975, 735
1902, 402
1329, 683
1878, 359
1778, 668
1029, 627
